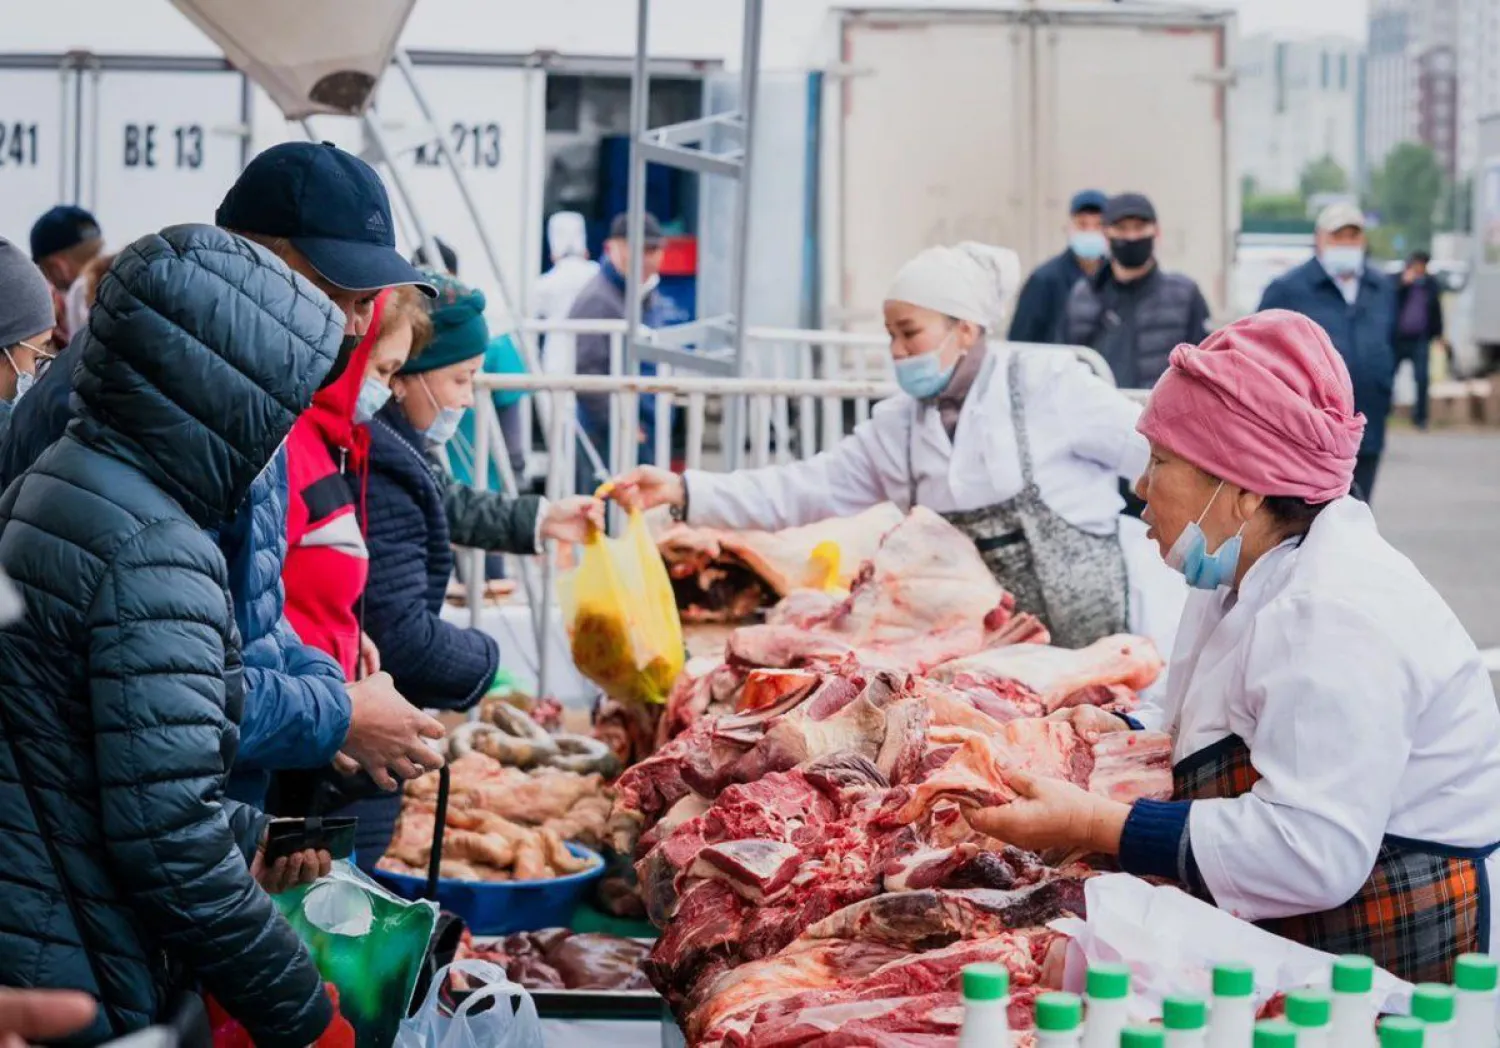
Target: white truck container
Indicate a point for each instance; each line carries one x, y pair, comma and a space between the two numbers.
981, 124
1481, 351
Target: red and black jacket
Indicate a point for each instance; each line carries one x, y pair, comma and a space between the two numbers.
327, 563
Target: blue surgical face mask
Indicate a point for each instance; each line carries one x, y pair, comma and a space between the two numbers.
24, 379
1089, 245
924, 376
372, 397
1202, 569
1343, 260
445, 425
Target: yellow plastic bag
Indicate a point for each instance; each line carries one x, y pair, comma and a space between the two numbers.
622, 617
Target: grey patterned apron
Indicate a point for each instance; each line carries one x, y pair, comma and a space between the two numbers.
1071, 579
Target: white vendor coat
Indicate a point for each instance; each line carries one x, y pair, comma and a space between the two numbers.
1366, 708
1082, 435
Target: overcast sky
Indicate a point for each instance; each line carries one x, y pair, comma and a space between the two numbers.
1303, 17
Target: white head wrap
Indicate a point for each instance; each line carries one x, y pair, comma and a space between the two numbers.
567, 235
974, 282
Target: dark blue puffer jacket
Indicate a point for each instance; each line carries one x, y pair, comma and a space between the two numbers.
125, 868
435, 664
296, 711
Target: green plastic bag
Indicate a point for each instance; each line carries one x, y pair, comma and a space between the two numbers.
367, 942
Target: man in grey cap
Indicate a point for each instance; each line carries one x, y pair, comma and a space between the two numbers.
26, 321
603, 298
1357, 307
1132, 311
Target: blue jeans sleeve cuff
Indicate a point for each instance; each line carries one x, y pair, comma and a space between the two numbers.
1151, 845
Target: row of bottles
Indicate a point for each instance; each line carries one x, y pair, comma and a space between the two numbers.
1458, 1016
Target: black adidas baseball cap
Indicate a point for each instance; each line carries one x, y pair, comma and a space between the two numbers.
331, 206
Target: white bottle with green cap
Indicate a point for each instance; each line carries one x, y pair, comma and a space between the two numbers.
1433, 1004
1232, 1018
1059, 1020
986, 989
1141, 1037
1476, 977
1401, 1032
1275, 1034
1186, 1021
1107, 990
1311, 1014
1353, 1017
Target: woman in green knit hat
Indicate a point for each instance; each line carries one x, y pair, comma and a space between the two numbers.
415, 514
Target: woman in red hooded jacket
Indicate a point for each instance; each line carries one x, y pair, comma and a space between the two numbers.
327, 564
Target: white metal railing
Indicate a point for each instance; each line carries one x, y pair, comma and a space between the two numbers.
804, 391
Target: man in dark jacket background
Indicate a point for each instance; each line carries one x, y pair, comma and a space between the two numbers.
603, 298
128, 872
1132, 311
1044, 296
1419, 320
326, 214
1357, 307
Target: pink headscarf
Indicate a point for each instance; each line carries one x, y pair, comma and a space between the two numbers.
1265, 404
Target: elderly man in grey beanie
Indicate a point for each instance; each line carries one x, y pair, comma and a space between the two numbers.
26, 321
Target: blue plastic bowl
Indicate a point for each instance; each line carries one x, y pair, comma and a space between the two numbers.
502, 907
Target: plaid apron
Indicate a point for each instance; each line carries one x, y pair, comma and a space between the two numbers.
1071, 579
1423, 905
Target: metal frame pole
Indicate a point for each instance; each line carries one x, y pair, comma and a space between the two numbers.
517, 319
635, 223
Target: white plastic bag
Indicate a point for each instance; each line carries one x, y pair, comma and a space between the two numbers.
502, 1025
1171, 941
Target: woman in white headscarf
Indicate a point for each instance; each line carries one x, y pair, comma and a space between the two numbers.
1022, 451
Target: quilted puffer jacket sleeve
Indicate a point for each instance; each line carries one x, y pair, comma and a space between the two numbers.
489, 520
161, 638
434, 663
296, 708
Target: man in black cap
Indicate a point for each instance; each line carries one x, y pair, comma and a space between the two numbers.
1044, 296
603, 298
1132, 311
325, 214
64, 240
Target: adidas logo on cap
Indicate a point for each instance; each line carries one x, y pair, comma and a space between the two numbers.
375, 223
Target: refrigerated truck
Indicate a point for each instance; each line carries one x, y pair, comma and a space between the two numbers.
949, 125
1481, 351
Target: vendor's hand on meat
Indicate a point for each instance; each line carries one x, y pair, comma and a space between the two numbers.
42, 1015
647, 487
1050, 813
387, 734
1090, 722
287, 872
369, 656
573, 519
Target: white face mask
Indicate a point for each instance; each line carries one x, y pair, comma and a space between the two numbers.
25, 380
445, 425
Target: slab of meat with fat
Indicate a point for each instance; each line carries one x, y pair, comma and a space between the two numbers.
1106, 671
933, 917
1125, 766
722, 574
790, 1000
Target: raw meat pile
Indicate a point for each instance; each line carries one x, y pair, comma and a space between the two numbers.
729, 576
503, 824
559, 959
800, 830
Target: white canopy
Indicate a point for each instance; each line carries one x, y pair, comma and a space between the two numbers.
310, 56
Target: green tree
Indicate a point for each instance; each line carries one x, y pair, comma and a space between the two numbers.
1273, 207
1405, 192
1323, 176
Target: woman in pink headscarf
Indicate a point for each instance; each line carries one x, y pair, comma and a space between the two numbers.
1336, 740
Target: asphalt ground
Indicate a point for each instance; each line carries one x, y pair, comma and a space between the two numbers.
1437, 499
